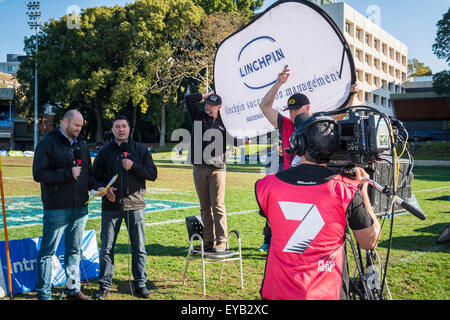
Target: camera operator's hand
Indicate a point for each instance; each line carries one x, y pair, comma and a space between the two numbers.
360, 174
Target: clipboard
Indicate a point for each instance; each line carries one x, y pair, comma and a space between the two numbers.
94, 194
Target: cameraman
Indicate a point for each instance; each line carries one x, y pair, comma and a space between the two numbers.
309, 208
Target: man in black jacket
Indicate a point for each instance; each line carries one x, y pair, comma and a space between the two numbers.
62, 165
209, 160
124, 200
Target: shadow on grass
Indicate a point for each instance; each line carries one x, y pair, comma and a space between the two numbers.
246, 168
420, 242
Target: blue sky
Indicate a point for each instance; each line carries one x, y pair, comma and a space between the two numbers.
411, 21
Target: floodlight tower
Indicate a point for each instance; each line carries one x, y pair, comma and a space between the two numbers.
34, 16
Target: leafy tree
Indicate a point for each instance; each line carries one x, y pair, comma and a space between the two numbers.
441, 48
133, 59
418, 69
245, 7
441, 82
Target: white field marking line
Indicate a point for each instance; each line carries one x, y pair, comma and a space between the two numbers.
24, 179
99, 211
434, 189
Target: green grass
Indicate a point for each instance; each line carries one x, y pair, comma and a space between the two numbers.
418, 268
432, 151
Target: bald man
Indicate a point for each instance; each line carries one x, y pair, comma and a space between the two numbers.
62, 165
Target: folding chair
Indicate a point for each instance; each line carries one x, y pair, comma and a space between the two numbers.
195, 232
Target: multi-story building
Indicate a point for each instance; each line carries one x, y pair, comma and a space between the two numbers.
380, 59
12, 63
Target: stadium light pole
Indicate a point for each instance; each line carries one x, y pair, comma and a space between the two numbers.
34, 16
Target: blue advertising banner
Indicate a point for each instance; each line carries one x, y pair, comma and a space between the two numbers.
23, 255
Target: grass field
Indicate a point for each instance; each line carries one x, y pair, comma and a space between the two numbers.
418, 268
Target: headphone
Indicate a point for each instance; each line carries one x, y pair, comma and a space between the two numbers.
297, 141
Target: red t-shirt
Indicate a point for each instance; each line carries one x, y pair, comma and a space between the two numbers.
308, 223
287, 129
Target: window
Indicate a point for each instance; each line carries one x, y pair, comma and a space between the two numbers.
349, 28
369, 40
391, 53
384, 48
375, 99
383, 101
358, 34
368, 78
376, 44
358, 55
376, 63
368, 59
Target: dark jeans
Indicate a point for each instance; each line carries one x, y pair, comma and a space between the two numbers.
111, 222
71, 222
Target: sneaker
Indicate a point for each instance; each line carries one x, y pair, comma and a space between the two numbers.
78, 296
142, 292
207, 246
264, 247
101, 294
220, 247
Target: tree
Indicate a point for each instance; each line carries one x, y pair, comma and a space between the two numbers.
111, 61
418, 69
441, 48
246, 8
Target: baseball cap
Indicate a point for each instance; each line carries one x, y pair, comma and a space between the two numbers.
296, 101
214, 100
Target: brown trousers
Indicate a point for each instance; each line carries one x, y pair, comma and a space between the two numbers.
210, 186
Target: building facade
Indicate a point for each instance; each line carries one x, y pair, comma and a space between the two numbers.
424, 113
380, 59
12, 63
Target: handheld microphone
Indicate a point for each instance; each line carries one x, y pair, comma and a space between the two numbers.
76, 155
124, 149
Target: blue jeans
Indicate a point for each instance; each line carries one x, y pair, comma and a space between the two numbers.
111, 222
71, 223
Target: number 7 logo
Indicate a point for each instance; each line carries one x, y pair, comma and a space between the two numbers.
311, 225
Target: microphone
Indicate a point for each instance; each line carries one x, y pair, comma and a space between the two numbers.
124, 148
76, 155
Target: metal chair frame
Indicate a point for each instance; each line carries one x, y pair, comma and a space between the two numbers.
220, 257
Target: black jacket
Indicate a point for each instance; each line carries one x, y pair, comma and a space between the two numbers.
52, 167
130, 184
217, 161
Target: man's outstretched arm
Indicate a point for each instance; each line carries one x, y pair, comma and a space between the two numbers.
267, 104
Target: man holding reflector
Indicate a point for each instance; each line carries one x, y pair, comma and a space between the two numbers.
297, 103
